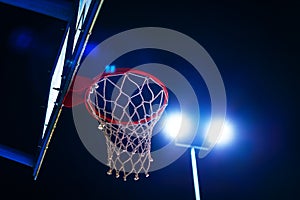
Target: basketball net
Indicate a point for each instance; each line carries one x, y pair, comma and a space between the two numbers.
127, 104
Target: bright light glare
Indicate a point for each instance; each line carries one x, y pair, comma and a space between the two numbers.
173, 124
226, 134
177, 125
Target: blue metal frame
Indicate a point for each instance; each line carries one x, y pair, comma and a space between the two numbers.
16, 155
60, 9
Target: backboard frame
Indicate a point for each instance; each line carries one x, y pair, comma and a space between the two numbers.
81, 26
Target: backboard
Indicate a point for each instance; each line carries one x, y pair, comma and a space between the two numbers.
72, 47
79, 18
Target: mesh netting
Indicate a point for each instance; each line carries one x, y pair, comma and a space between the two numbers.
127, 105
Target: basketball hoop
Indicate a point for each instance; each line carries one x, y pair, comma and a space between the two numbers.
127, 104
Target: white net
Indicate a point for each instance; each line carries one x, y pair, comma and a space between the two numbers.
127, 105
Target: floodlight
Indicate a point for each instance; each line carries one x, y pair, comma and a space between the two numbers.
177, 125
226, 133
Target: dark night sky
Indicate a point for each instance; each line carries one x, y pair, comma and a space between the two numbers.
254, 45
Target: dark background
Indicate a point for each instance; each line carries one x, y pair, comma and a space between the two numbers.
256, 48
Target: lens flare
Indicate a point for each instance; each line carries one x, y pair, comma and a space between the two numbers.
226, 133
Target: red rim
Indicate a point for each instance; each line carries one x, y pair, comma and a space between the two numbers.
123, 71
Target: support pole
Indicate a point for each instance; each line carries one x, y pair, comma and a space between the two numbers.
195, 174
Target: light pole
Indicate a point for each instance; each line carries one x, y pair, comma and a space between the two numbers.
195, 173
